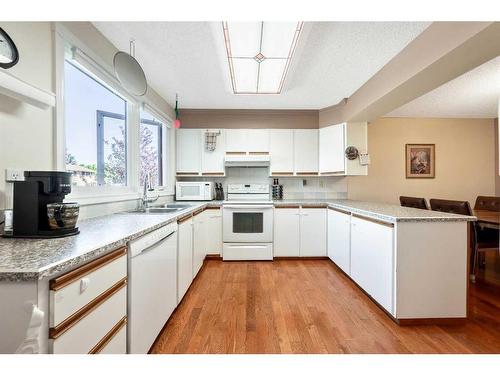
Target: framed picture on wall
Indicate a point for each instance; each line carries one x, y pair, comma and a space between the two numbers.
420, 160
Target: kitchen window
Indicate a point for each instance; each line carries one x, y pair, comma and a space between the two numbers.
151, 148
95, 130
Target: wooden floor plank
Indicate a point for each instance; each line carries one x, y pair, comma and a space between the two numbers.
309, 306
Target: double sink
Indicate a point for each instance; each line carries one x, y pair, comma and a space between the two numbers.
163, 209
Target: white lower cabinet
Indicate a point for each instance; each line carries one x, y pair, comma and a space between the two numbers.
339, 239
372, 259
286, 232
184, 256
313, 232
299, 232
199, 242
88, 307
212, 221
86, 333
117, 344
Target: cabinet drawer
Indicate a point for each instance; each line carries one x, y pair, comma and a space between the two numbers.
115, 342
82, 336
75, 289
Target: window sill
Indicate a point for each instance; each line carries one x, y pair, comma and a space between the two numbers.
87, 199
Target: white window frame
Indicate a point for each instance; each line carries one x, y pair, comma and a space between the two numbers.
100, 71
166, 149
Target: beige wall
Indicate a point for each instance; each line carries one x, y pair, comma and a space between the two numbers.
464, 160
104, 51
236, 118
26, 132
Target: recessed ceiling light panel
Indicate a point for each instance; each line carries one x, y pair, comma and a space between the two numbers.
259, 54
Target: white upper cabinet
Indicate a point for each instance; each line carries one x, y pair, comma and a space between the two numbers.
258, 140
281, 150
331, 150
247, 140
306, 153
333, 141
236, 140
188, 151
356, 134
212, 162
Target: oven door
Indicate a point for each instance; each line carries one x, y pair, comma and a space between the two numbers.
247, 223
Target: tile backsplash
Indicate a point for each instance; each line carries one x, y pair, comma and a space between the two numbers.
293, 187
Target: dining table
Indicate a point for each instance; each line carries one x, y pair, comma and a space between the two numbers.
490, 219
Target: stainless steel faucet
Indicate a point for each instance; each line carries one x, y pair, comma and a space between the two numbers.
148, 186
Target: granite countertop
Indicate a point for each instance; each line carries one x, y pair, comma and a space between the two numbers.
32, 259
393, 213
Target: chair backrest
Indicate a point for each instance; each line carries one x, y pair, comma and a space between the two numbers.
452, 207
414, 202
487, 203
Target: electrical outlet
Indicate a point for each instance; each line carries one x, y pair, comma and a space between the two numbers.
12, 175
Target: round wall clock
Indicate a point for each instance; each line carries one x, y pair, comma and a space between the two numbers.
9, 56
351, 153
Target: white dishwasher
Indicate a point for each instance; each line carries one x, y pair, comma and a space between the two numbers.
152, 288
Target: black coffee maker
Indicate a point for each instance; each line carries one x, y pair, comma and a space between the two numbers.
31, 198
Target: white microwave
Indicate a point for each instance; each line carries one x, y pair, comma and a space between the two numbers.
194, 191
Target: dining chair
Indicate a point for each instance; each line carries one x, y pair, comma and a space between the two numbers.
414, 202
487, 203
480, 243
491, 235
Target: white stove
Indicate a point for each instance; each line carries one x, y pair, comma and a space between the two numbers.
247, 223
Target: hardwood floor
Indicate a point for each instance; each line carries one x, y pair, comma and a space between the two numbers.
490, 273
309, 306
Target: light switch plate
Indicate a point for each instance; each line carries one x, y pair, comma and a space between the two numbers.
12, 175
364, 159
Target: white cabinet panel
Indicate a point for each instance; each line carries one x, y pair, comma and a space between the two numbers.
356, 134
286, 232
313, 232
118, 344
188, 151
372, 259
198, 243
331, 149
247, 140
258, 140
184, 257
236, 140
213, 161
71, 298
87, 332
306, 153
213, 231
339, 245
281, 150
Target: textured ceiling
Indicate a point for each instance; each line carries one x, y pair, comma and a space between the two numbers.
474, 94
333, 59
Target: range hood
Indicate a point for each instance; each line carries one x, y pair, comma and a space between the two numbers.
257, 161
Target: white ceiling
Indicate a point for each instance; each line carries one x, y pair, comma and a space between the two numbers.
474, 94
332, 60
